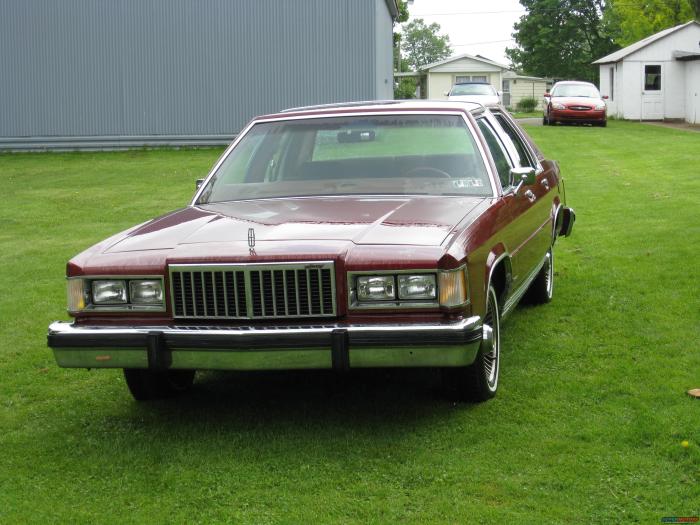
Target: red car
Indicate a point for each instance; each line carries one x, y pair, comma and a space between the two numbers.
382, 234
575, 102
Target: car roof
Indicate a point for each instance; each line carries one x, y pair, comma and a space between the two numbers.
467, 83
574, 82
372, 106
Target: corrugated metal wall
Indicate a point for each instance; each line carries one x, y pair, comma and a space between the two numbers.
178, 68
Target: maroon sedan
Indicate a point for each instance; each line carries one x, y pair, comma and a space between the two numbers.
575, 102
392, 234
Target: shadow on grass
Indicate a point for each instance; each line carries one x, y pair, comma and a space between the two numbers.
390, 401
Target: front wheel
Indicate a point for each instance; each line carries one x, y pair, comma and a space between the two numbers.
479, 381
145, 385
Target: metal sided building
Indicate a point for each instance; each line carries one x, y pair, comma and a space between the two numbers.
118, 73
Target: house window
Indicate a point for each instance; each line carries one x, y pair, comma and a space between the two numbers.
612, 83
461, 79
652, 78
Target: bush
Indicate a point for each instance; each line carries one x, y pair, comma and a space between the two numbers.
526, 105
405, 89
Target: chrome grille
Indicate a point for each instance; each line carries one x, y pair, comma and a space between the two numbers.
253, 291
581, 108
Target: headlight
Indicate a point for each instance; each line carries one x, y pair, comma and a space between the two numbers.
115, 294
109, 292
556, 105
402, 289
453, 288
146, 292
600, 106
376, 288
417, 286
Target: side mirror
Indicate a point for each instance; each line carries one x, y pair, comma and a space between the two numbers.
547, 95
605, 97
198, 183
446, 93
520, 177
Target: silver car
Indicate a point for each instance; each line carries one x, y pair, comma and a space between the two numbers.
480, 92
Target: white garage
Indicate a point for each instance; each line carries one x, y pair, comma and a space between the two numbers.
657, 78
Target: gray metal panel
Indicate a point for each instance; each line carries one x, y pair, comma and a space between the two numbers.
384, 39
178, 67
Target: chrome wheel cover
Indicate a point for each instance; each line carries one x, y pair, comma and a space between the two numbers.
492, 358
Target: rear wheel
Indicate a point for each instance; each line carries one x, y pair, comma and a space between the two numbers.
542, 288
148, 384
479, 381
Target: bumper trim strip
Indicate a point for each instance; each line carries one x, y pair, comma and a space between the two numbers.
335, 346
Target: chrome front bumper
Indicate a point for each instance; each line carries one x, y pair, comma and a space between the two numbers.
270, 348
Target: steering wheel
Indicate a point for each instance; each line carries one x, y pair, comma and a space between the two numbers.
426, 171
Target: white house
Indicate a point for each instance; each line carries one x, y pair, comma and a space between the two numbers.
656, 78
437, 78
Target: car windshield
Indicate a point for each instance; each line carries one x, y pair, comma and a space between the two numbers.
396, 154
473, 89
575, 90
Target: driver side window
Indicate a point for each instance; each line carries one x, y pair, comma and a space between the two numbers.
498, 151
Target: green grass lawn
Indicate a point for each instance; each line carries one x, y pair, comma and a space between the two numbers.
529, 114
586, 428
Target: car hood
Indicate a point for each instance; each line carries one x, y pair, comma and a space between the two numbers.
423, 221
578, 101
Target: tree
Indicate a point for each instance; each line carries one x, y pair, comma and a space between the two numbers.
403, 87
631, 20
423, 44
403, 17
560, 39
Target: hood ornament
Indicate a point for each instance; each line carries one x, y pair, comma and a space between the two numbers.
251, 240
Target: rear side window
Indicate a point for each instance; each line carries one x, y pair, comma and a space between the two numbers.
525, 158
498, 151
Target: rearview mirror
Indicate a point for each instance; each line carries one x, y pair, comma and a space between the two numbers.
345, 137
520, 177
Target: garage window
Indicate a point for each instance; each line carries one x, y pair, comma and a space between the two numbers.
461, 79
652, 78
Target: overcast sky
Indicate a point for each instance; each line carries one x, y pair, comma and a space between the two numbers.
476, 27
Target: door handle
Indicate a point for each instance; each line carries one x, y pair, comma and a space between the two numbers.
530, 196
545, 183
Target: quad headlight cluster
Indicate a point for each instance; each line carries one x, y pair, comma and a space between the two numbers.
408, 289
115, 294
